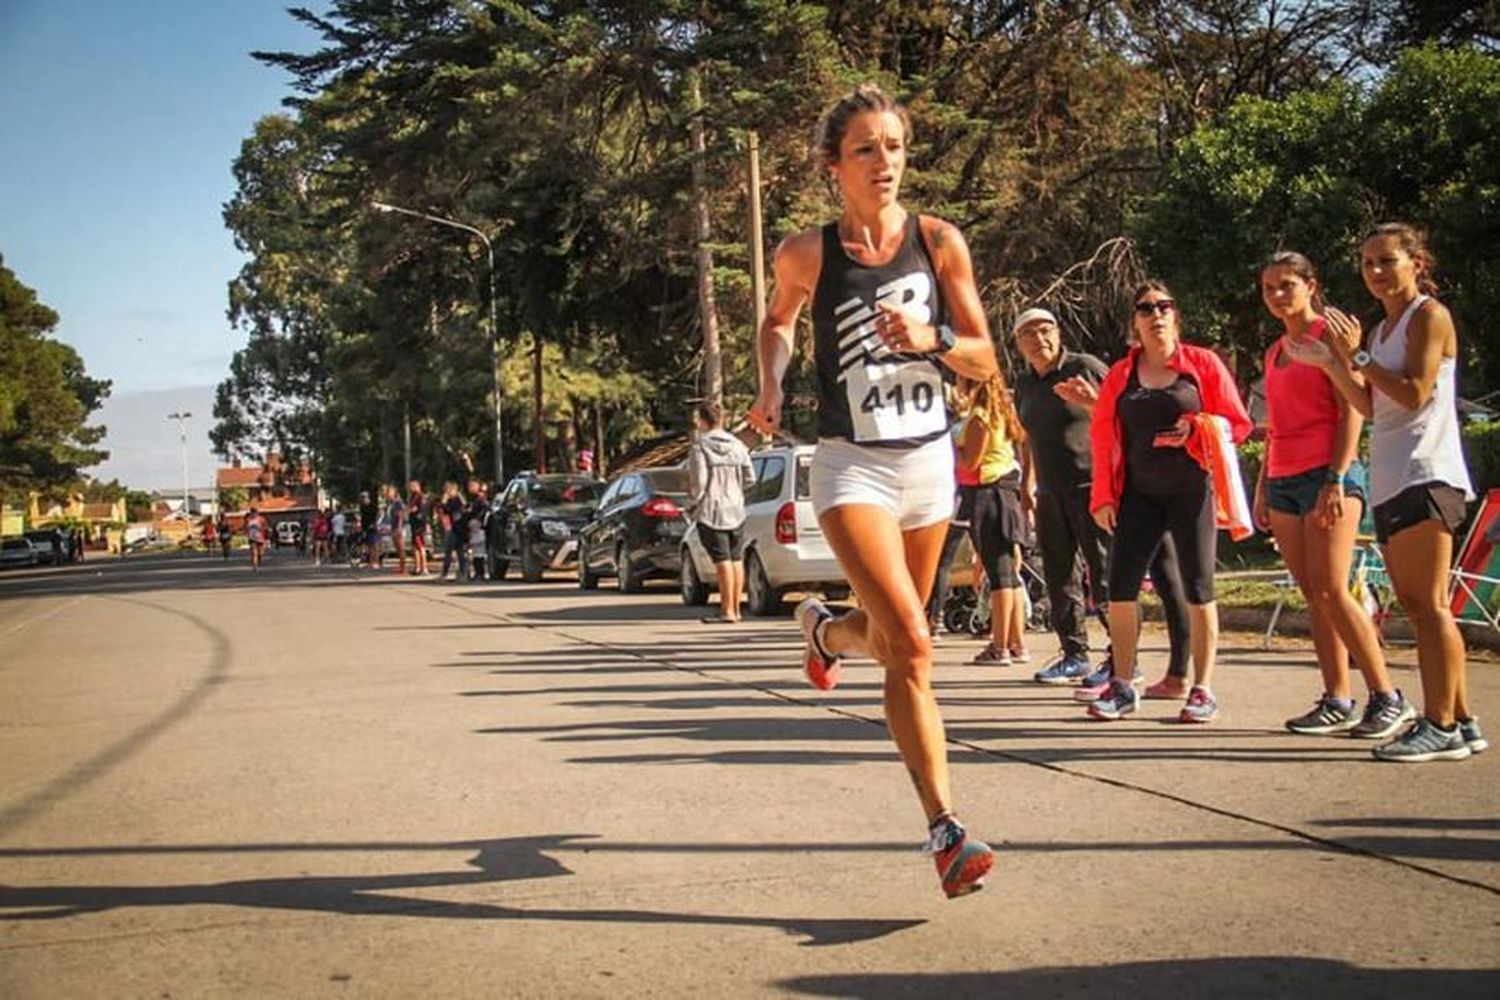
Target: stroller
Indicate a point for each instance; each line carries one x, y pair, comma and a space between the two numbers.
966, 610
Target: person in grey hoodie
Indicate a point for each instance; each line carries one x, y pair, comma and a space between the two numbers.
718, 473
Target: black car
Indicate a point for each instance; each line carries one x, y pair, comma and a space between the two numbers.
637, 532
535, 521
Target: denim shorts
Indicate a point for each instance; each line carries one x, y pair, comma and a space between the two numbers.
1298, 494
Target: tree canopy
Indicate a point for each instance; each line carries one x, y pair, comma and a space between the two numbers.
1078, 144
45, 397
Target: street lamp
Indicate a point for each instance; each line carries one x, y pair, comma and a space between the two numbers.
489, 250
181, 419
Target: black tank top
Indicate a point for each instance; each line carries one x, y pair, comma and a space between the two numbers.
867, 393
1146, 412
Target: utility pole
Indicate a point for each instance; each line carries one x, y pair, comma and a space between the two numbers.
182, 419
536, 407
713, 372
757, 237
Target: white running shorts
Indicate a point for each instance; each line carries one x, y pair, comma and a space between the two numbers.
914, 484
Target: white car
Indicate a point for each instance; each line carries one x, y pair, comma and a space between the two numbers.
785, 550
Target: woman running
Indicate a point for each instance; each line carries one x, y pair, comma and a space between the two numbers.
1310, 496
989, 467
1403, 381
894, 308
1147, 484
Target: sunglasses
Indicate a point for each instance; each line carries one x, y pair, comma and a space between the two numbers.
1160, 306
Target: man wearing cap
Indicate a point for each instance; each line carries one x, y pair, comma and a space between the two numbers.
1059, 468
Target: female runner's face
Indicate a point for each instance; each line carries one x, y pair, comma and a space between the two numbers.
872, 158
1155, 320
1285, 292
1387, 268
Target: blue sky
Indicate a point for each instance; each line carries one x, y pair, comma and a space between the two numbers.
119, 121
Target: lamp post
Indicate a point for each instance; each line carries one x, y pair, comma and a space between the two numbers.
181, 419
489, 250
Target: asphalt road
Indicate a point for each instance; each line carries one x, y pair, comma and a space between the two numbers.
318, 782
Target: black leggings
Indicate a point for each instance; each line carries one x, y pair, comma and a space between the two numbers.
1142, 521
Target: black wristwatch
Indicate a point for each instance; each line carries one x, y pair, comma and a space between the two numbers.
947, 340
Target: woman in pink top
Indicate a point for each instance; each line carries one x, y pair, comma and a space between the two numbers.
1308, 499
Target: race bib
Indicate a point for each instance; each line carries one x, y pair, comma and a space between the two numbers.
891, 396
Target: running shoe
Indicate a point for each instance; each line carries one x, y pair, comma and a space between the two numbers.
1096, 685
1473, 738
1327, 716
1385, 714
1424, 741
1200, 706
1121, 699
993, 656
1068, 669
822, 667
962, 861
1166, 689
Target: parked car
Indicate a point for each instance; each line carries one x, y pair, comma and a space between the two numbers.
288, 532
637, 531
535, 522
785, 549
17, 551
50, 545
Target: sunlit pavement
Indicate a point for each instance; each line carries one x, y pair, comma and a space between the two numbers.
313, 782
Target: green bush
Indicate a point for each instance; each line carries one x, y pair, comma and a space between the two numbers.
1482, 450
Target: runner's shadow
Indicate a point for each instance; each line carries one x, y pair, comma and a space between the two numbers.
496, 861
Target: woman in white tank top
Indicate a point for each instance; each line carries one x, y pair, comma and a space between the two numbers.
1404, 382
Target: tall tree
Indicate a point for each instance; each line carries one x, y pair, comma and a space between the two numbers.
45, 397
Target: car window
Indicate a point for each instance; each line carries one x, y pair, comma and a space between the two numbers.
629, 487
16, 543
666, 480
611, 494
769, 480
551, 492
804, 477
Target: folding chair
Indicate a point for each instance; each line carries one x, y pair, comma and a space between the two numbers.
1474, 581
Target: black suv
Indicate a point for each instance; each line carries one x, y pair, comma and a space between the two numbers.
535, 522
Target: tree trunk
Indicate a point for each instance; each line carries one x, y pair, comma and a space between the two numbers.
713, 377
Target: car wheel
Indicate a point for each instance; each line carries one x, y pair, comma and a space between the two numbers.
531, 566
630, 574
694, 590
586, 579
763, 600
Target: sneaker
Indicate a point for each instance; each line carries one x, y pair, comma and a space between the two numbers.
1068, 669
1424, 741
962, 861
1384, 716
1096, 685
1118, 702
822, 667
1327, 716
992, 655
1473, 738
1020, 654
1166, 689
1200, 706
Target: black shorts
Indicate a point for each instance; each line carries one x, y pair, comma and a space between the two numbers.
723, 544
1436, 501
998, 527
